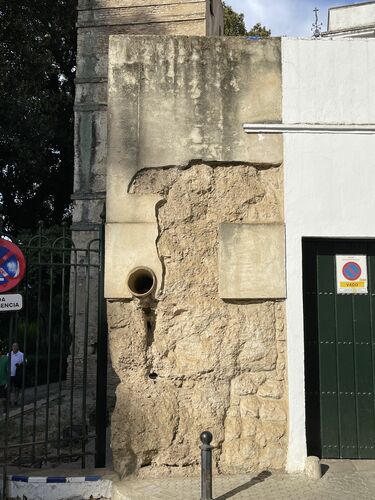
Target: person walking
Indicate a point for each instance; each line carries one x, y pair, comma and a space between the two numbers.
3, 379
16, 365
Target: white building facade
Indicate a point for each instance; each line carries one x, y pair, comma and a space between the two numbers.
329, 96
329, 136
354, 21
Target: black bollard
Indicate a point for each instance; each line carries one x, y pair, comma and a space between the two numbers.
206, 465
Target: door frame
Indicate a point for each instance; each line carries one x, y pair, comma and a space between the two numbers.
312, 409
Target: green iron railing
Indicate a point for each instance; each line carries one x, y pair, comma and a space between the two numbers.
62, 331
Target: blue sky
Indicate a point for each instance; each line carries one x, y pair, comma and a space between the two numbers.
286, 17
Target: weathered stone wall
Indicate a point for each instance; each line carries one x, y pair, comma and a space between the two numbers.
180, 169
173, 100
97, 20
189, 361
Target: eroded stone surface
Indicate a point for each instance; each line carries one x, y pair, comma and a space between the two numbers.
189, 361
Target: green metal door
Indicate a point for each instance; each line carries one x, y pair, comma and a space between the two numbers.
339, 353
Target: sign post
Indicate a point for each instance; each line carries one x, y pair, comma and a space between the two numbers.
12, 271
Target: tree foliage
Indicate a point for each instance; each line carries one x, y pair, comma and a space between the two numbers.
37, 61
234, 25
259, 30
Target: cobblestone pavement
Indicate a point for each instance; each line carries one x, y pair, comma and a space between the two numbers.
344, 480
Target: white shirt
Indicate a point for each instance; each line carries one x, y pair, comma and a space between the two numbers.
16, 358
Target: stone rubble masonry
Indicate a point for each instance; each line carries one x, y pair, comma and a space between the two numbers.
189, 361
179, 166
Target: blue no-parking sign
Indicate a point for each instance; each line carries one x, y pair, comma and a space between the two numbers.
12, 265
351, 274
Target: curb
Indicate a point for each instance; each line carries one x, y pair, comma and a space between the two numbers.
58, 487
53, 479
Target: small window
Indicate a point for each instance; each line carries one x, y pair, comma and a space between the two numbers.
212, 7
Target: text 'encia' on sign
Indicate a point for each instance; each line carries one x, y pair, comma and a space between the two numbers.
10, 302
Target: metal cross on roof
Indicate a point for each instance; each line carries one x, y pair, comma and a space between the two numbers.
316, 27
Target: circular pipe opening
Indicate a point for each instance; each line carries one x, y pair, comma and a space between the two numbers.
141, 281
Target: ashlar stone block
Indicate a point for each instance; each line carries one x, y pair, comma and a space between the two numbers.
252, 261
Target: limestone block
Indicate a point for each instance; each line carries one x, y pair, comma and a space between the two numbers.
271, 410
273, 431
252, 261
271, 389
272, 456
90, 151
129, 246
249, 406
280, 323
250, 428
247, 383
87, 93
260, 356
143, 423
313, 469
239, 454
281, 366
88, 210
233, 428
128, 353
142, 14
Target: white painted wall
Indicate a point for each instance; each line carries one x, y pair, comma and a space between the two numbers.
351, 16
329, 178
328, 81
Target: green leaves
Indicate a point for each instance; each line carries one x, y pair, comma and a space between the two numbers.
259, 30
234, 25
37, 60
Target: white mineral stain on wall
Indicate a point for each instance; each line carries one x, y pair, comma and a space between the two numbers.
328, 177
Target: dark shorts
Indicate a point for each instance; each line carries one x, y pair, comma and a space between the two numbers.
16, 381
3, 392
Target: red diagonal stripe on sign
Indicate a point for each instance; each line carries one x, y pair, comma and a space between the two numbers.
3, 259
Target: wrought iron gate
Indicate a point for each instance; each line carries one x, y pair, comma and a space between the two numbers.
60, 415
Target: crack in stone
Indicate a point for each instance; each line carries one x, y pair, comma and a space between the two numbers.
158, 206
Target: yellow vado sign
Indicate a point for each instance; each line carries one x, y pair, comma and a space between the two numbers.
355, 284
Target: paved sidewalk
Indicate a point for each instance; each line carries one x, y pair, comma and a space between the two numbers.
342, 480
